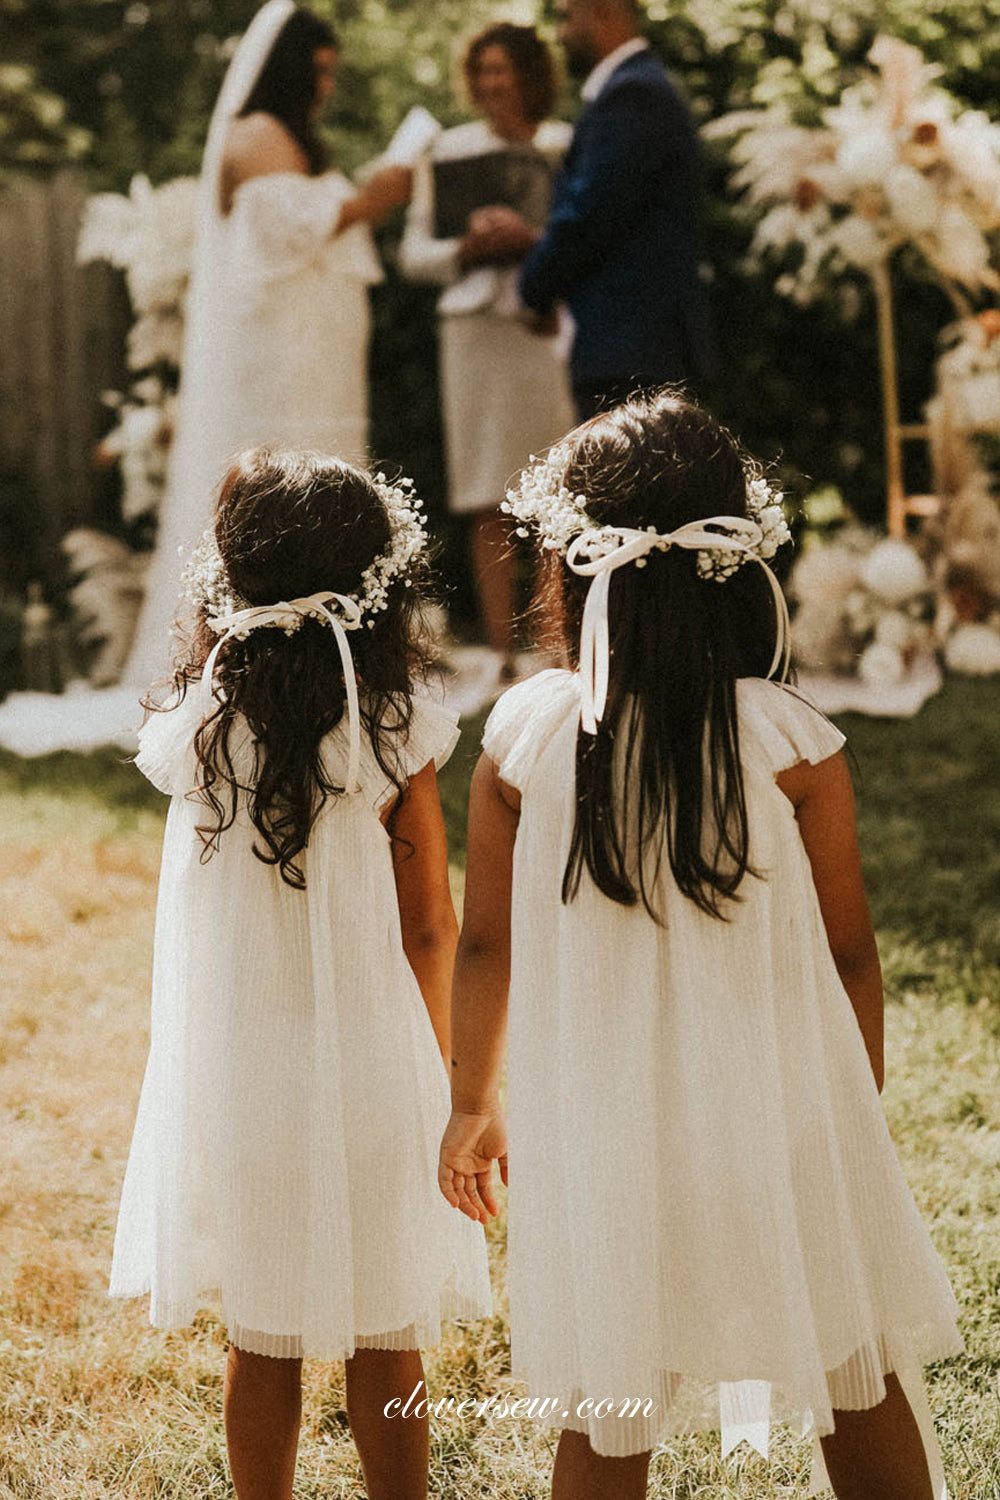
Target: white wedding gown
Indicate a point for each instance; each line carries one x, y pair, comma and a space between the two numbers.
275, 353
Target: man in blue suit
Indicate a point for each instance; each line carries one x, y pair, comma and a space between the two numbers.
621, 243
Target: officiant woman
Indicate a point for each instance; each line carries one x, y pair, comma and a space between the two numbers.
504, 389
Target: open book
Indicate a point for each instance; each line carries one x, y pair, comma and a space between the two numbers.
519, 177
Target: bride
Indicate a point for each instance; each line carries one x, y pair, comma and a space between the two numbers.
276, 335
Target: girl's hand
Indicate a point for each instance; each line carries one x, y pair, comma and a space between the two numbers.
469, 1148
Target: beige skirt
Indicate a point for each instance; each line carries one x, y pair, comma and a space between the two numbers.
505, 394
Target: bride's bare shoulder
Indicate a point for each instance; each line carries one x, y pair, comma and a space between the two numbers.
257, 145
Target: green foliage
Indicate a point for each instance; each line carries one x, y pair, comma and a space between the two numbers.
22, 558
36, 132
10, 643
932, 856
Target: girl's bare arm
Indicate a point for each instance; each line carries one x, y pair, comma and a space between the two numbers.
824, 807
426, 912
482, 964
476, 1133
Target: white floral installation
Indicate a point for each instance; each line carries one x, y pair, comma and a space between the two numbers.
968, 372
207, 586
540, 501
871, 605
149, 234
895, 162
865, 602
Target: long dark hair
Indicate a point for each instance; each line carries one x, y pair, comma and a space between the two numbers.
663, 771
286, 85
290, 524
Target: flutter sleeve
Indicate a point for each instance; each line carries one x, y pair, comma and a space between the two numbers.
166, 745
432, 736
283, 222
785, 725
524, 720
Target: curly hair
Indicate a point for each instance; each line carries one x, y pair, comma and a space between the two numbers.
678, 644
290, 524
530, 58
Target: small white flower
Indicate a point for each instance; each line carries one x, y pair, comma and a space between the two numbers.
542, 503
207, 584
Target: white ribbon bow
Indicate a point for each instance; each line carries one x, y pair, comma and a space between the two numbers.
288, 614
596, 553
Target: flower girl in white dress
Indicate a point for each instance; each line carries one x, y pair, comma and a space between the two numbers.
283, 1161
708, 1224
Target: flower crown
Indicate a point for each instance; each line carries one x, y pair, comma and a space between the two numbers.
541, 501
208, 587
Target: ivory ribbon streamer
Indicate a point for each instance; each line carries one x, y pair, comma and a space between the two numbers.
596, 553
289, 613
745, 1413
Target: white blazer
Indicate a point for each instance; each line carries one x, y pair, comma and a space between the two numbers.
422, 257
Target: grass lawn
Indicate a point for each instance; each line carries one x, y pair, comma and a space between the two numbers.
97, 1404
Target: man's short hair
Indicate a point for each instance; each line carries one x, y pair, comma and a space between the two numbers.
631, 8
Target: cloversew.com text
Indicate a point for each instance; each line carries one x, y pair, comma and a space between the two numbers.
504, 1404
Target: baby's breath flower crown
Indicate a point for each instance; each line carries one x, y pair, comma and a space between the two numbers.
541, 502
207, 584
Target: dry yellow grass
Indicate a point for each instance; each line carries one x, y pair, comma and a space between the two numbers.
94, 1401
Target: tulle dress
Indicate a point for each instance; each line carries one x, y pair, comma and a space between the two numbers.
706, 1208
284, 1161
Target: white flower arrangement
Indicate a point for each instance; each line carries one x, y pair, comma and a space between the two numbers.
140, 442
764, 507
869, 604
865, 604
150, 235
968, 372
107, 583
973, 648
542, 502
408, 540
894, 163
207, 586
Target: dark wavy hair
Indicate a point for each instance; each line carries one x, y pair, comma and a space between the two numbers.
663, 771
290, 524
530, 58
286, 85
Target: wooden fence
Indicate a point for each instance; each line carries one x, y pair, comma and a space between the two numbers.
62, 336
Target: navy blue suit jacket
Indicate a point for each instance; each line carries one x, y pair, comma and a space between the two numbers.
622, 240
